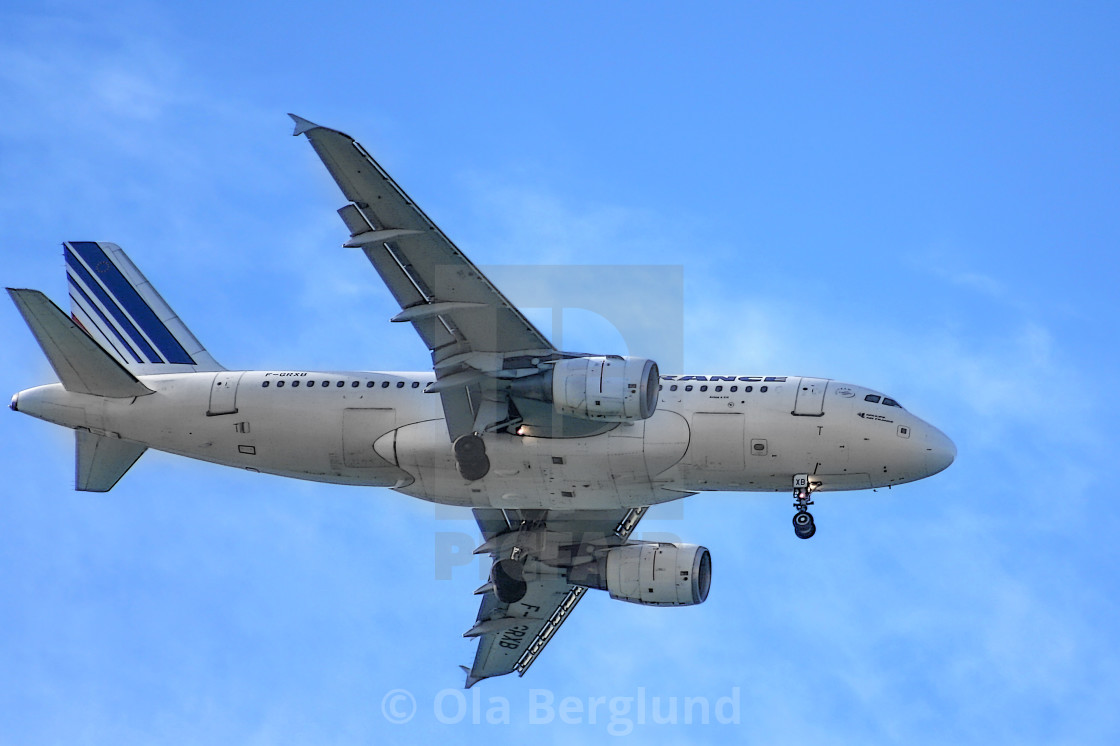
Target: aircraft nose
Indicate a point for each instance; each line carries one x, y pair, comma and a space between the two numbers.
940, 450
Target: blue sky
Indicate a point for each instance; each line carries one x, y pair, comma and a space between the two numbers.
921, 199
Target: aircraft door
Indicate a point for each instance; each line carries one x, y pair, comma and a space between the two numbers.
223, 393
810, 397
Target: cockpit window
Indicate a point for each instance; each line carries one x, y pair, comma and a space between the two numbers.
891, 402
873, 398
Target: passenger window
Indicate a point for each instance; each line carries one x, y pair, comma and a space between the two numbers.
673, 387
734, 389
400, 384
719, 388
354, 384
369, 384
384, 384
703, 388
764, 389
279, 384
264, 385
688, 388
415, 384
295, 383
873, 398
340, 384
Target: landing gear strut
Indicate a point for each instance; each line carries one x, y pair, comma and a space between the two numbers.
803, 524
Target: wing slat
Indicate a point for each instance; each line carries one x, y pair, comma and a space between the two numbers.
443, 270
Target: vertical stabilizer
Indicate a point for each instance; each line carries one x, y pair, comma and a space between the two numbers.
101, 460
113, 301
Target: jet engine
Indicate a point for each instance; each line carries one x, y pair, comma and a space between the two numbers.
659, 574
606, 388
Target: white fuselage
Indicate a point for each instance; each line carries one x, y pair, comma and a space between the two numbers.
381, 429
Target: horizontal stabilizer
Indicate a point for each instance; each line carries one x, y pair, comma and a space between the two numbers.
81, 364
101, 461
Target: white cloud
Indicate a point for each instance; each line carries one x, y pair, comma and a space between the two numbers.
89, 76
523, 221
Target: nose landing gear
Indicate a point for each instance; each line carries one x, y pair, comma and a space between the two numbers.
803, 524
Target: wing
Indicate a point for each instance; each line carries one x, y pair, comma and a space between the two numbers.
512, 636
471, 329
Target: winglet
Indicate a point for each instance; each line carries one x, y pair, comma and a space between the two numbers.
302, 125
471, 680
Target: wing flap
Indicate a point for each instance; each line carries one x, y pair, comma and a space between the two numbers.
506, 631
512, 636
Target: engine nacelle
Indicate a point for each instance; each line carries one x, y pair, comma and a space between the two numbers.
657, 574
607, 388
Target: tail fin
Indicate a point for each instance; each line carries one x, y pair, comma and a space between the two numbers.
82, 366
117, 306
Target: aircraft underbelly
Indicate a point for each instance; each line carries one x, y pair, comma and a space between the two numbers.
615, 469
717, 451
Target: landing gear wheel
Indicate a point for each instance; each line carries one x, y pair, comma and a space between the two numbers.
470, 457
805, 533
803, 524
469, 446
508, 577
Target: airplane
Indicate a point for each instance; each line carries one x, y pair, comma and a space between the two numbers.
558, 454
